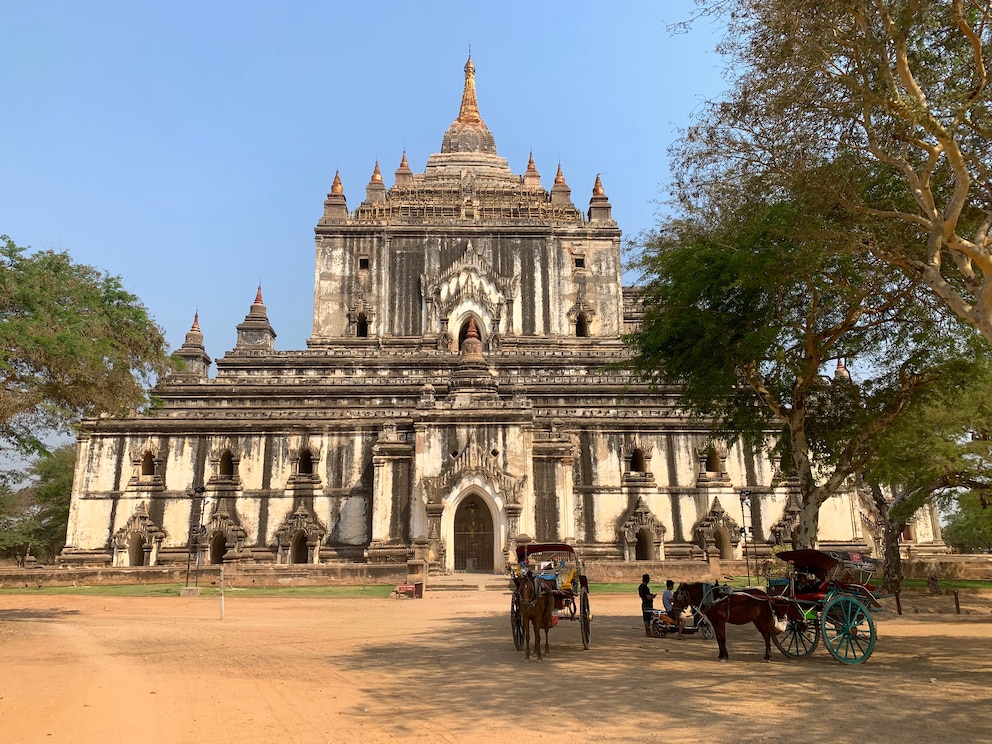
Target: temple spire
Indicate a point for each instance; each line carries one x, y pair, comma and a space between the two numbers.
469, 112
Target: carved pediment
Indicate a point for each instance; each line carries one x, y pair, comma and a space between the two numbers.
642, 517
717, 518
471, 277
301, 520
139, 523
472, 461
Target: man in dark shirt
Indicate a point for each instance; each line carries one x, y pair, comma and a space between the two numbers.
647, 603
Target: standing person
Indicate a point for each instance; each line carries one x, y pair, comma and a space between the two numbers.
647, 603
668, 602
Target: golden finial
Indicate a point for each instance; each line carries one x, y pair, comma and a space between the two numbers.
469, 112
531, 168
559, 178
597, 189
376, 174
403, 163
258, 296
336, 187
196, 321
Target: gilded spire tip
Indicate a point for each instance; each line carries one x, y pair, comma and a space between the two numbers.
469, 111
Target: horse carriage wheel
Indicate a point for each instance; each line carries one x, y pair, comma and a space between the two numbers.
848, 629
706, 628
585, 618
799, 639
517, 622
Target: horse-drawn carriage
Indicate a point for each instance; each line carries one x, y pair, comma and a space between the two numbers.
835, 597
826, 593
549, 583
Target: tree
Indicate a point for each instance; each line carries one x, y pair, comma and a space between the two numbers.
75, 344
969, 528
748, 312
896, 85
939, 450
16, 525
34, 519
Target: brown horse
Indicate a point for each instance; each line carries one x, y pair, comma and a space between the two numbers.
723, 605
537, 604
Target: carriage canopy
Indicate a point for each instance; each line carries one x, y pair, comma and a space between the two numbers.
827, 563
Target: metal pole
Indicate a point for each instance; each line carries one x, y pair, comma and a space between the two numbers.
745, 495
191, 492
200, 531
221, 591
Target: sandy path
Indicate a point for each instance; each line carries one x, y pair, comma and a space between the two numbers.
444, 669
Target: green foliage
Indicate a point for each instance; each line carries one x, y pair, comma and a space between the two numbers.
17, 526
969, 527
893, 86
750, 310
34, 519
370, 591
76, 344
940, 446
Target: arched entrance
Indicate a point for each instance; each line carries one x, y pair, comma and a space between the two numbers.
473, 536
723, 543
218, 547
645, 545
136, 550
298, 548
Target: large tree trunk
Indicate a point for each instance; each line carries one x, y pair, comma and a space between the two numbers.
892, 571
891, 531
809, 525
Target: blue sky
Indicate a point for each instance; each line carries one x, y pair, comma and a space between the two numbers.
188, 146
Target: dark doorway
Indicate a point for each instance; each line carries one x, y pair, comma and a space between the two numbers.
581, 326
136, 550
218, 547
473, 536
645, 545
298, 548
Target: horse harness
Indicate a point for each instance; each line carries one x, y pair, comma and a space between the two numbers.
716, 594
539, 591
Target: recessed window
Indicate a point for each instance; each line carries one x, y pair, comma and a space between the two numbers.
305, 466
581, 326
363, 263
580, 262
226, 466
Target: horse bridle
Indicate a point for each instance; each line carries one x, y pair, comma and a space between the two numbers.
532, 580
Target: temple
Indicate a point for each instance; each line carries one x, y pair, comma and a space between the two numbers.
462, 390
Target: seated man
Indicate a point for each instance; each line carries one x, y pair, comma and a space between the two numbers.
668, 602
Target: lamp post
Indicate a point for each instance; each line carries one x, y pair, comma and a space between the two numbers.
745, 501
194, 533
200, 532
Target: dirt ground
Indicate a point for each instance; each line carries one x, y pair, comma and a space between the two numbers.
444, 669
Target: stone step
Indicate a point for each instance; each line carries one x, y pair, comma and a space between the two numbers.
469, 583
